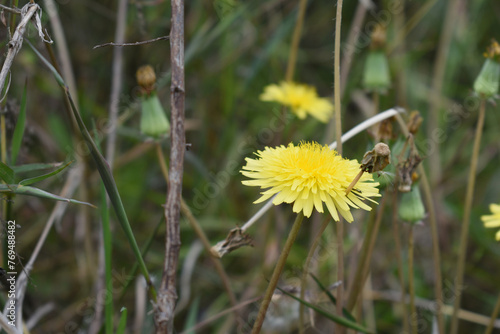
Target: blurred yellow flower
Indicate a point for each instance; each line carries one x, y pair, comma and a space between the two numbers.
302, 99
309, 175
493, 220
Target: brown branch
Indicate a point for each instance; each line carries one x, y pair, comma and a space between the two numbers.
132, 44
16, 42
167, 295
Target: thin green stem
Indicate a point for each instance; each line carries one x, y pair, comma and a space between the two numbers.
338, 134
277, 273
466, 218
397, 246
303, 281
107, 240
493, 318
363, 266
436, 254
292, 58
411, 283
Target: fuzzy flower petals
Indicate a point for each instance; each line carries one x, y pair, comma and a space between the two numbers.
301, 99
309, 175
493, 220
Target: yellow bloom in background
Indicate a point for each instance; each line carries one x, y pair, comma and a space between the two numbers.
493, 220
302, 99
309, 175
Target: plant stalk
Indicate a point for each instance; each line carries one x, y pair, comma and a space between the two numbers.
276, 273
493, 318
411, 283
167, 295
338, 134
303, 281
466, 219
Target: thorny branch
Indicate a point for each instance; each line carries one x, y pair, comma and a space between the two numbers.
167, 295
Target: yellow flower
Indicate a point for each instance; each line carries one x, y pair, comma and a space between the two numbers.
309, 175
302, 99
493, 220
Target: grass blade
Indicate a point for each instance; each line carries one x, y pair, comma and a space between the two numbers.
32, 191
107, 239
123, 321
345, 312
34, 167
27, 182
17, 138
333, 317
6, 173
106, 176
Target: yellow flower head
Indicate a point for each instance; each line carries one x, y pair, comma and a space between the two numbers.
493, 220
309, 175
302, 100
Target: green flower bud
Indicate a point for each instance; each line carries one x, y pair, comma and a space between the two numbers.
154, 123
411, 208
488, 79
376, 75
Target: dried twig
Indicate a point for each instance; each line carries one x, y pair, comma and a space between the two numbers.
16, 42
167, 295
132, 44
11, 9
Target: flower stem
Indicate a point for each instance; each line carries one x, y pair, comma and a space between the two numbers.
363, 266
411, 283
292, 58
338, 134
276, 273
397, 246
466, 218
494, 316
303, 281
438, 285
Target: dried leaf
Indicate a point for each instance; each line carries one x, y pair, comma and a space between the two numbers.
234, 240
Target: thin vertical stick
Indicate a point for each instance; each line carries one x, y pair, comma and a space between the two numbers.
494, 316
363, 268
434, 157
292, 58
466, 218
303, 281
397, 246
195, 225
167, 295
276, 273
436, 254
411, 283
338, 134
116, 84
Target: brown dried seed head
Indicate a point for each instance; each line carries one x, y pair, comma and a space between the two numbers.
414, 122
379, 37
377, 159
146, 77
